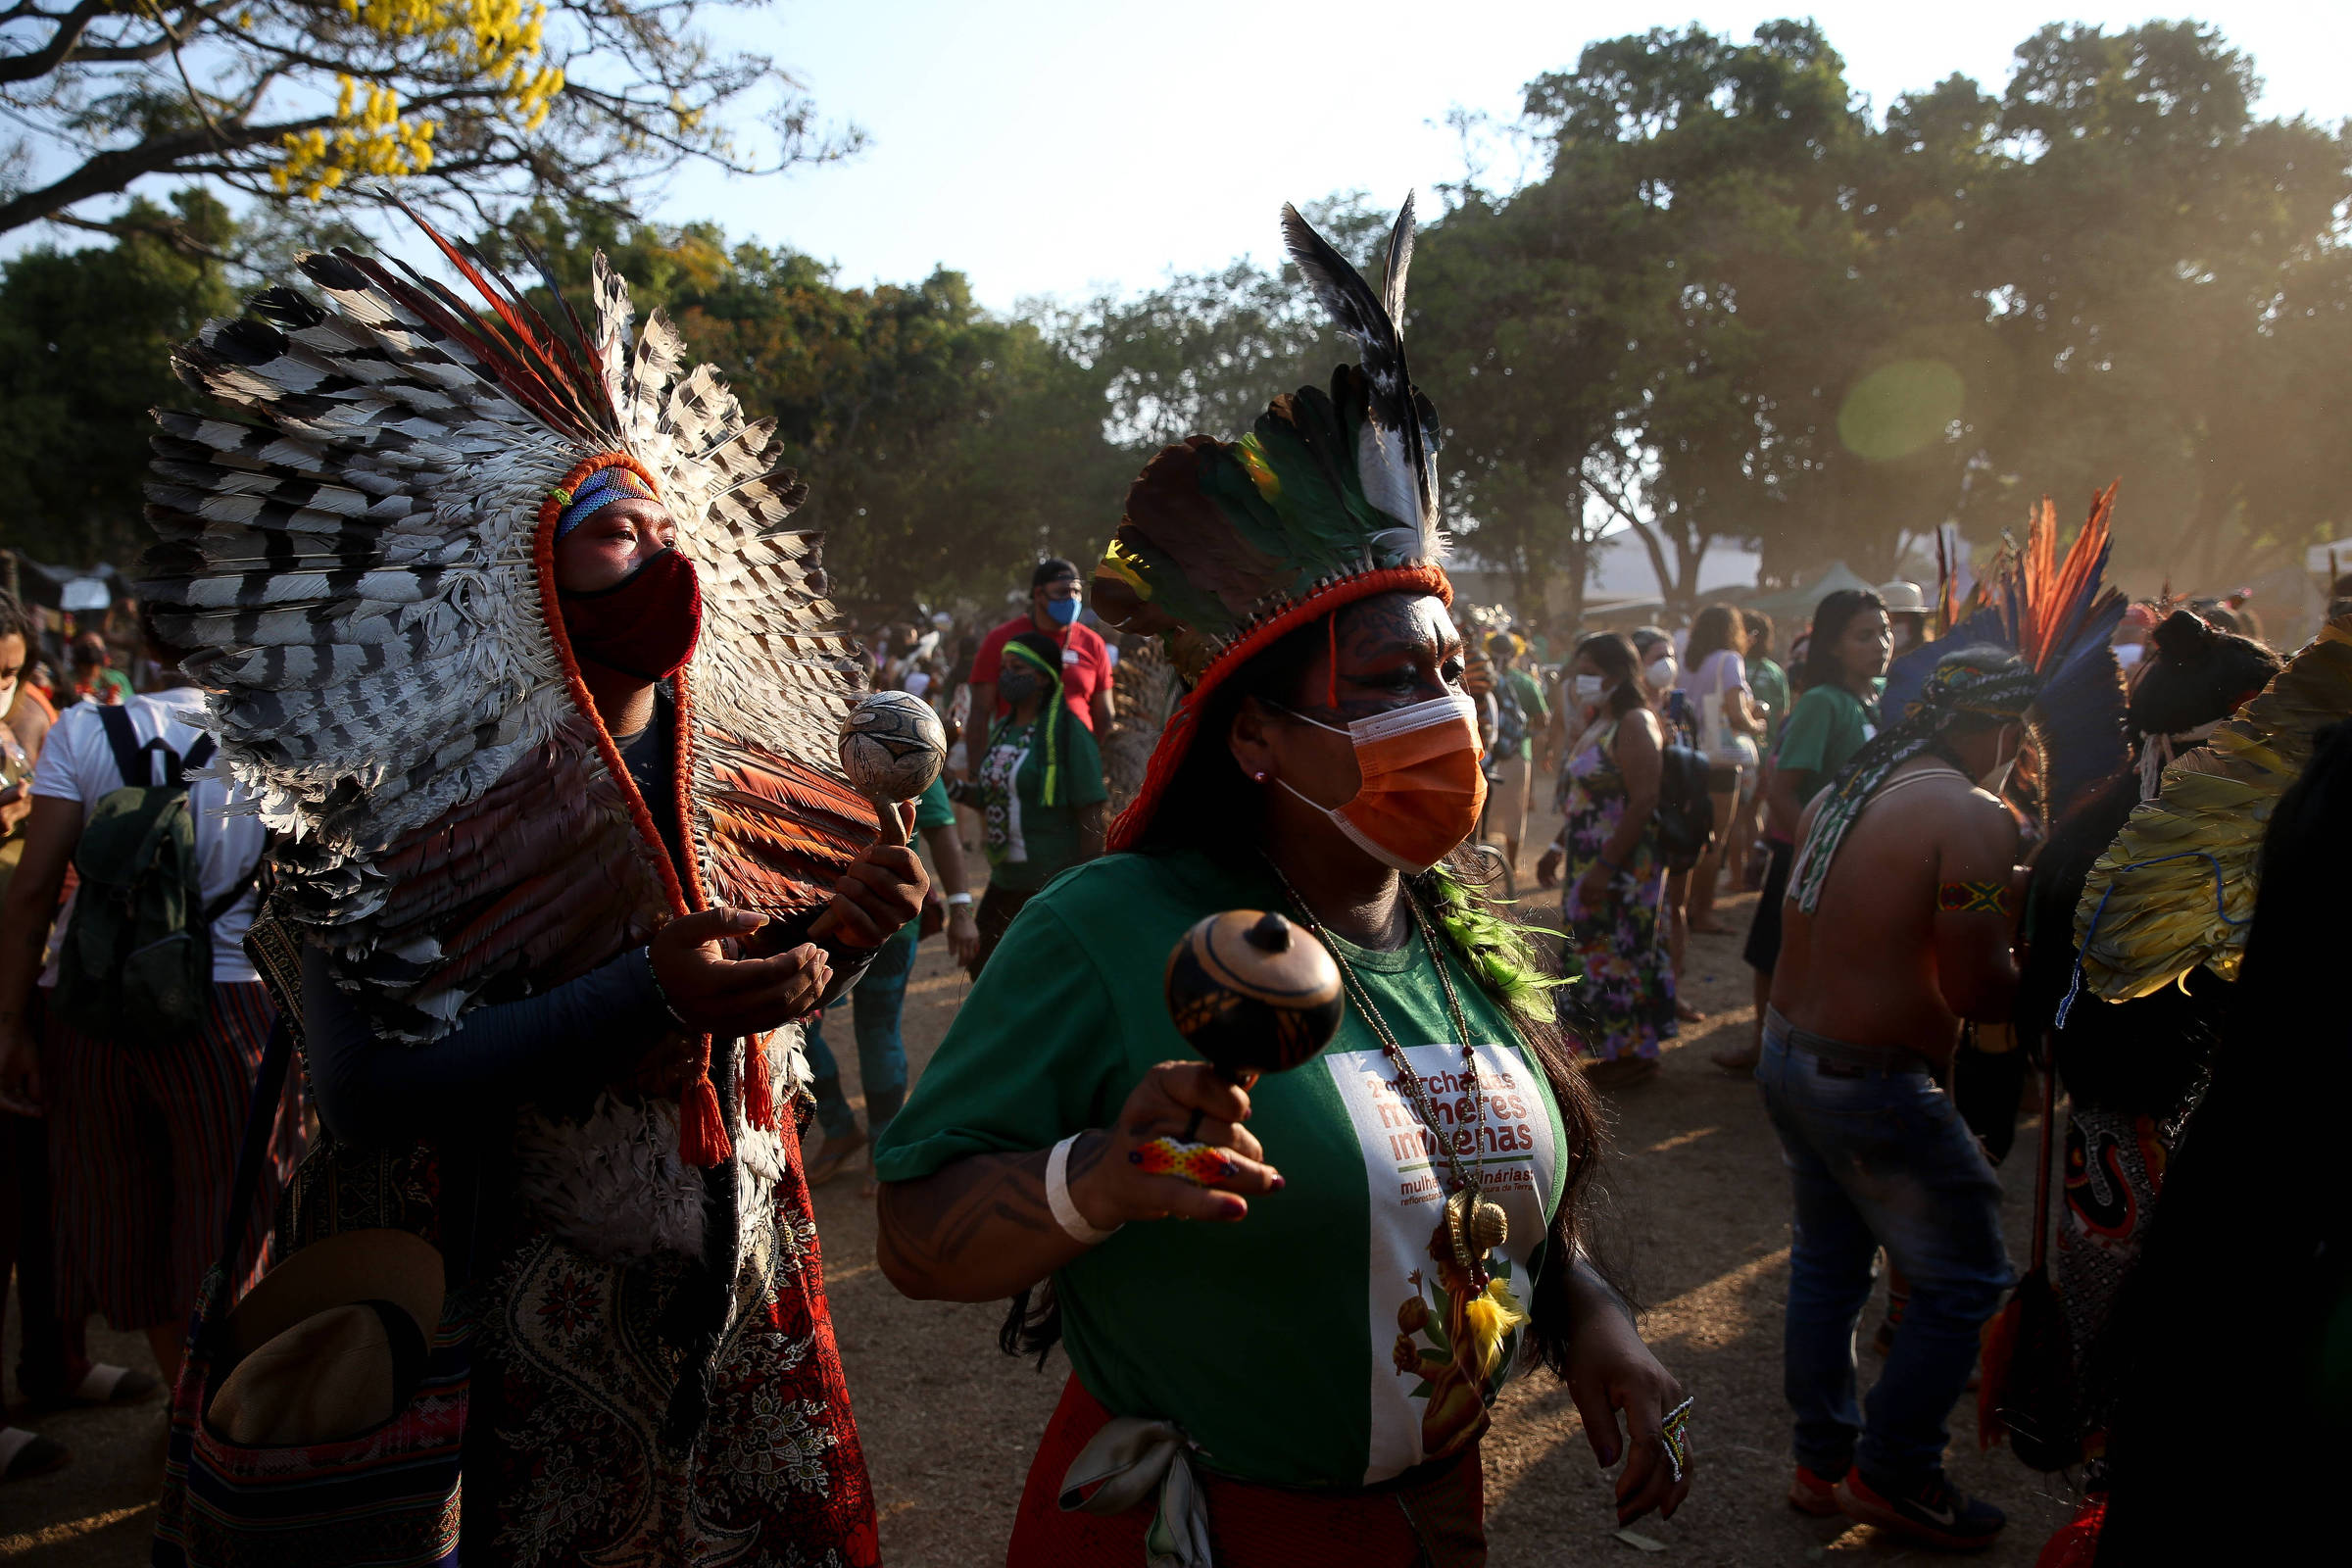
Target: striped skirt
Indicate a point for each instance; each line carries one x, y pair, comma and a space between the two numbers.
143, 1143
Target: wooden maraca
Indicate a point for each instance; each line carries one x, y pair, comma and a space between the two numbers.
1252, 992
892, 747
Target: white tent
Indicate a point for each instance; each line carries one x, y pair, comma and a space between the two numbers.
2315, 559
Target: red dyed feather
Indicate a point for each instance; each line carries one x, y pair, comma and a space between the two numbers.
565, 373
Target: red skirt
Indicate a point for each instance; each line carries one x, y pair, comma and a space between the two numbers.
1252, 1526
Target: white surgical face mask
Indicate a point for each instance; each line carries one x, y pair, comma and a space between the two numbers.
1662, 671
2128, 655
1587, 690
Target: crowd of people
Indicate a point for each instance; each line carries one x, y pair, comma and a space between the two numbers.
415, 985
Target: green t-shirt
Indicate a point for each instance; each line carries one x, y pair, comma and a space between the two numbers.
1830, 725
1769, 682
1029, 842
1530, 693
932, 808
1276, 1343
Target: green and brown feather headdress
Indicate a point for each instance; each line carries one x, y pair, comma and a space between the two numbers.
1331, 497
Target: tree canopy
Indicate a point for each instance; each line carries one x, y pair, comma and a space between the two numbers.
1733, 305
475, 102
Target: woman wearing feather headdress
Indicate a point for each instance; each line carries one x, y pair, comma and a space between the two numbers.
1318, 1347
505, 635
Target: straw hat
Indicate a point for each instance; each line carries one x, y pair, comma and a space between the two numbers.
331, 1341
1902, 598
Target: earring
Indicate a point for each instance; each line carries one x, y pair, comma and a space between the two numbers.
1259, 775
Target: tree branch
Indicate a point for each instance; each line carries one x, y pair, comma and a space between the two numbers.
171, 230
110, 172
49, 56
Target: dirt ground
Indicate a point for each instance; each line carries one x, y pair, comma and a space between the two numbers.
1697, 1212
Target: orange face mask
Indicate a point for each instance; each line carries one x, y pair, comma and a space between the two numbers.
1422, 787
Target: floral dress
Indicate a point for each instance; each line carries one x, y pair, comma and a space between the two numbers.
1628, 994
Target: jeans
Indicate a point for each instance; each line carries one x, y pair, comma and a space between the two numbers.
1879, 1158
875, 1003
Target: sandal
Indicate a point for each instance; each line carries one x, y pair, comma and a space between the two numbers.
834, 1154
1687, 1014
25, 1453
105, 1384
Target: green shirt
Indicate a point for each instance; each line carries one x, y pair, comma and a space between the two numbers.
1029, 842
1769, 682
1530, 692
1830, 725
932, 808
1274, 1343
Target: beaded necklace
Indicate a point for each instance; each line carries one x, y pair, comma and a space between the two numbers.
1475, 1225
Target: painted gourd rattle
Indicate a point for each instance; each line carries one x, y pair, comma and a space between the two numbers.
1252, 992
892, 747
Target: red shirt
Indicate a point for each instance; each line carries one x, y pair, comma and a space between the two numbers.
1084, 666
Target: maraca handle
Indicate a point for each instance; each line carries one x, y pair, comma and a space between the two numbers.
1202, 1165
892, 832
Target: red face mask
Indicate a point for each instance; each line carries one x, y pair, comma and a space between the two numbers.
644, 625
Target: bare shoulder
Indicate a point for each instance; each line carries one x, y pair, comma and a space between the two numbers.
1977, 829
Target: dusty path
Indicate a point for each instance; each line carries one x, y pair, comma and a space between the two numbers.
1699, 1215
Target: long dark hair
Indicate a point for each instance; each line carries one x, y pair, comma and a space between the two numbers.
1619, 664
1831, 618
1717, 628
2199, 673
1212, 807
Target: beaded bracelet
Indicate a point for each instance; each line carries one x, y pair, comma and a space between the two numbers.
655, 975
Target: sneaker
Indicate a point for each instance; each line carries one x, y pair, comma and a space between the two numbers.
1816, 1494
1936, 1512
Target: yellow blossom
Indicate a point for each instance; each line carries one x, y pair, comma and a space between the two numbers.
498, 41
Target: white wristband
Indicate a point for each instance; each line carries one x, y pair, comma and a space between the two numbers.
1058, 1198
955, 899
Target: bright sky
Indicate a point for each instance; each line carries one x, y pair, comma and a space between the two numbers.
1054, 146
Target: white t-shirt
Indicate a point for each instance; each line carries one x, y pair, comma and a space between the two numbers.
1721, 672
77, 764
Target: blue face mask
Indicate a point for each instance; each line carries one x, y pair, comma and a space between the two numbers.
1064, 611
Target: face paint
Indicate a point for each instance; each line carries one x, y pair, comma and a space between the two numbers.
645, 625
1422, 788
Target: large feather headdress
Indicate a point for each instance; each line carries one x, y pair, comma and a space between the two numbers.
1332, 497
2053, 617
360, 561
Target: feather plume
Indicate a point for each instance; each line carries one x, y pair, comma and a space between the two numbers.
1393, 457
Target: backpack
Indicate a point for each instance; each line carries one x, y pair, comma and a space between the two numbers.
136, 963
1686, 817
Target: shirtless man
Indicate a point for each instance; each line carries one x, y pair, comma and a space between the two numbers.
1898, 926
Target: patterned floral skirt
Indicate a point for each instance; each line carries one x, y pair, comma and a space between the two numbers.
577, 1363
